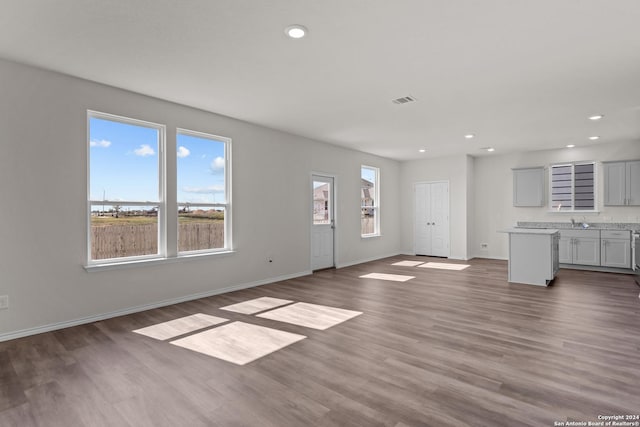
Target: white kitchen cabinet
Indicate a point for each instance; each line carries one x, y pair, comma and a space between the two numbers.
565, 250
622, 183
533, 255
615, 248
580, 247
528, 187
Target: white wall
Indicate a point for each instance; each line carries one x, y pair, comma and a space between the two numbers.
453, 169
43, 214
494, 193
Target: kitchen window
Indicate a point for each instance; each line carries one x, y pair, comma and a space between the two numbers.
573, 187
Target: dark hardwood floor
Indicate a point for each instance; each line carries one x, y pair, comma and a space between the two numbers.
446, 348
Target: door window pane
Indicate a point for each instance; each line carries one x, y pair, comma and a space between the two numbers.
321, 203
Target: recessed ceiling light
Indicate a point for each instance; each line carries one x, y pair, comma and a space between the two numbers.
295, 31
596, 117
422, 150
593, 138
571, 145
491, 149
469, 136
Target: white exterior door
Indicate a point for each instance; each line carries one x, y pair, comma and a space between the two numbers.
322, 223
432, 219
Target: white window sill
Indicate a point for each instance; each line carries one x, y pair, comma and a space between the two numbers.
370, 236
553, 211
117, 265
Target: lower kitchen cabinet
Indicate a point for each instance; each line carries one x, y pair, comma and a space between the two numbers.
580, 247
615, 249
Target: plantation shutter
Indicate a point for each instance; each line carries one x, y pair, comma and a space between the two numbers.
573, 187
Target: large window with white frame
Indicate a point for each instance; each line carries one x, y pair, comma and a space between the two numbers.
203, 189
369, 201
573, 187
129, 209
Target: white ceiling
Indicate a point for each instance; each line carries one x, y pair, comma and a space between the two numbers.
520, 74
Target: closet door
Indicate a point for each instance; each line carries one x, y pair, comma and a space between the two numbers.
431, 229
422, 229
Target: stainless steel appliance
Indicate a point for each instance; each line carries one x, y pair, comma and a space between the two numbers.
635, 254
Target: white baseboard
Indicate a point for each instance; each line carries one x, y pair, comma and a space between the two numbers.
361, 261
90, 319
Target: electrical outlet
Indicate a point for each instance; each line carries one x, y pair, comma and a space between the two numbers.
4, 302
484, 246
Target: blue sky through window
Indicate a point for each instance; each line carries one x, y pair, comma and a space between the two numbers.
369, 174
124, 161
201, 166
124, 164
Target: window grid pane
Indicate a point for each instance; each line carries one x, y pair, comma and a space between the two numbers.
202, 164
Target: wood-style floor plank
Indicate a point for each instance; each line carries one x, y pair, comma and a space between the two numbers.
448, 348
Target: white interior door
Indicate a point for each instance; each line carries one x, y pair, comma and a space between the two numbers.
440, 219
422, 219
432, 219
322, 223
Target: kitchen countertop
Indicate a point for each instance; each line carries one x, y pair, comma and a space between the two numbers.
515, 230
592, 225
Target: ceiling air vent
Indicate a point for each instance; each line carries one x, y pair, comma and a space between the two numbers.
404, 100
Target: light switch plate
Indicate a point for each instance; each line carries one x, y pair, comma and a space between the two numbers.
4, 302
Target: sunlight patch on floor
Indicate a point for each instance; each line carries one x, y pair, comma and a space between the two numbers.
238, 342
444, 266
181, 326
256, 305
310, 315
408, 263
392, 277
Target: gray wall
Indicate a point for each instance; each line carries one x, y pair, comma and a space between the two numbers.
43, 166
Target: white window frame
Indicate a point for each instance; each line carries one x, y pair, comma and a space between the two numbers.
227, 192
167, 206
573, 209
376, 201
160, 203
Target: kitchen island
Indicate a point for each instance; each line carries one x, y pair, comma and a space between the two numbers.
533, 255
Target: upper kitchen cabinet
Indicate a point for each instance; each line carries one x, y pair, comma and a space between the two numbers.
622, 183
528, 187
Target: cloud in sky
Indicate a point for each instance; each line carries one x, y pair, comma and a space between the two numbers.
144, 151
103, 143
217, 164
183, 152
211, 189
